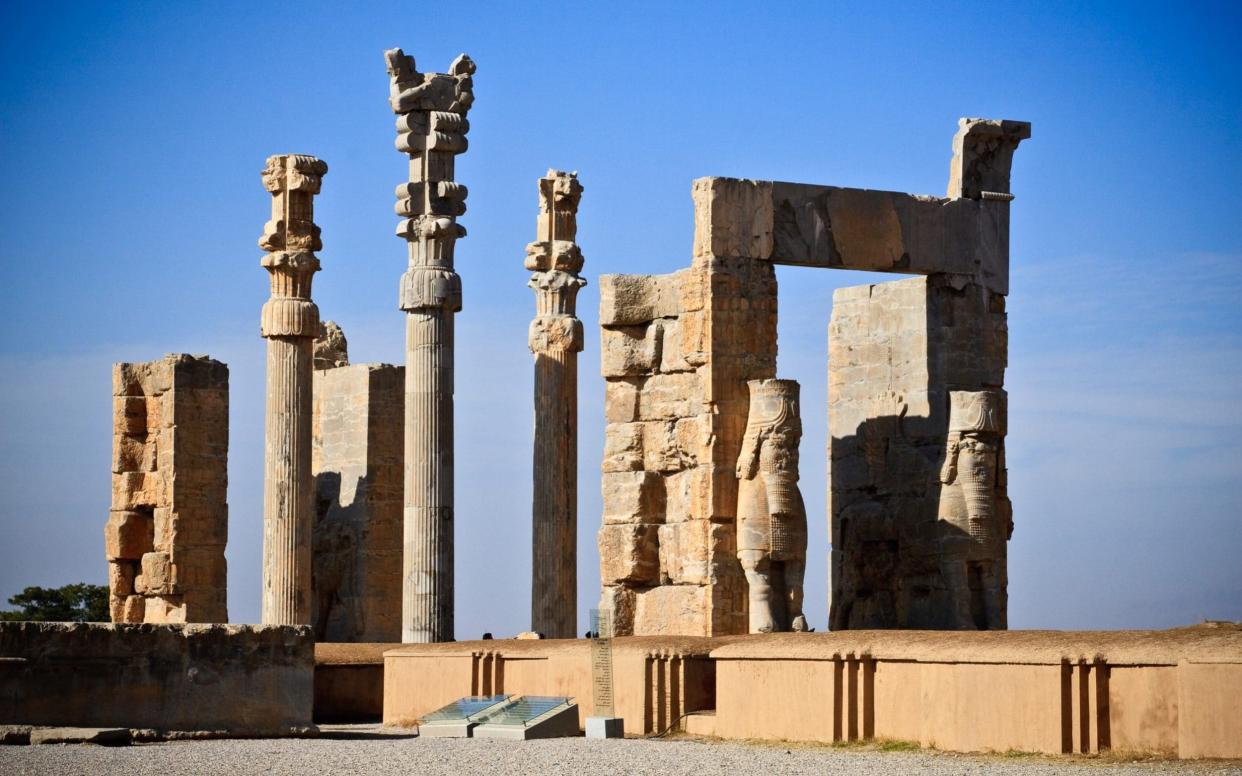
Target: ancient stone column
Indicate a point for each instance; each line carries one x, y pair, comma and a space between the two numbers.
290, 323
431, 128
556, 340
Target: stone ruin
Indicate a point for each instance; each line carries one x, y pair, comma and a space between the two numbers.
431, 130
555, 261
168, 524
356, 459
677, 353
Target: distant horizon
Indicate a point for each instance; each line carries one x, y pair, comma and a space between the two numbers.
134, 137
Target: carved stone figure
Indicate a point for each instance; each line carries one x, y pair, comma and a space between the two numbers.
556, 339
973, 501
431, 129
771, 518
290, 323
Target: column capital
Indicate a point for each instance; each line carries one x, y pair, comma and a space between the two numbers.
290, 239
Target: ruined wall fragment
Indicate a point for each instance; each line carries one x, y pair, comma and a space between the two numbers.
168, 525
356, 458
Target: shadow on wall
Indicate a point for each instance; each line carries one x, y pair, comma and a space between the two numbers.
338, 614
919, 511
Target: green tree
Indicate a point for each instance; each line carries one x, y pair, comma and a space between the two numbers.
72, 603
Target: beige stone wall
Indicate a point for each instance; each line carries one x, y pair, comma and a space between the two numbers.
676, 353
356, 457
656, 680
896, 351
1170, 693
168, 525
241, 680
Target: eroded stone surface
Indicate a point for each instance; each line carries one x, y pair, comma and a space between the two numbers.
902, 555
678, 350
226, 679
168, 526
771, 518
356, 459
290, 323
431, 130
555, 340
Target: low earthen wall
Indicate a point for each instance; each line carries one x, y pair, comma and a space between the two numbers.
656, 679
239, 680
1171, 692
349, 682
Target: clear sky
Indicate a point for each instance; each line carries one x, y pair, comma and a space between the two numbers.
132, 136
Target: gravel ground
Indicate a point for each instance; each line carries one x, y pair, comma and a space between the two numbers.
367, 751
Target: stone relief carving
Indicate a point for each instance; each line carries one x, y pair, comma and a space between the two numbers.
771, 518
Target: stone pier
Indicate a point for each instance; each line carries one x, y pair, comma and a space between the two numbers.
169, 522
431, 129
356, 458
290, 324
556, 340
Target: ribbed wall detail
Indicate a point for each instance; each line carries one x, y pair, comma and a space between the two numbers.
287, 484
554, 588
427, 595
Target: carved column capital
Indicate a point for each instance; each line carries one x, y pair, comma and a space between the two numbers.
290, 239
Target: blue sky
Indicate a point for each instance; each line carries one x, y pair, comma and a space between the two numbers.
132, 137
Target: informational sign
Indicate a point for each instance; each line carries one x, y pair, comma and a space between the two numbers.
601, 662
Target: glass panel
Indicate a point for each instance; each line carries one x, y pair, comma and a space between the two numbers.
522, 711
464, 708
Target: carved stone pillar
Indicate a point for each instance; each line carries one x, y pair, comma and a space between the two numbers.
431, 129
556, 340
290, 322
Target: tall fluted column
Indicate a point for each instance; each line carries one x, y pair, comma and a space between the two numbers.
556, 340
431, 128
290, 322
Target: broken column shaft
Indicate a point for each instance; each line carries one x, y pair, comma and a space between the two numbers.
290, 323
431, 128
556, 340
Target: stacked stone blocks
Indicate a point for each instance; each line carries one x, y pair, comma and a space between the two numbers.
168, 526
676, 353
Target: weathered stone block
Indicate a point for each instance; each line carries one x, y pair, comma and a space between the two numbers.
240, 680
127, 535
632, 497
687, 494
630, 350
667, 610
672, 396
621, 400
687, 549
156, 577
732, 218
629, 554
164, 609
623, 447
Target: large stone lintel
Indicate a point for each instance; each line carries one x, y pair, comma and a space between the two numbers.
829, 226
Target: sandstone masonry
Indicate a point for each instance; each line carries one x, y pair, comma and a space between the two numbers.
357, 465
168, 525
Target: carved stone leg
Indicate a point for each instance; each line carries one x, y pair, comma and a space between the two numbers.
795, 572
287, 483
427, 600
758, 569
